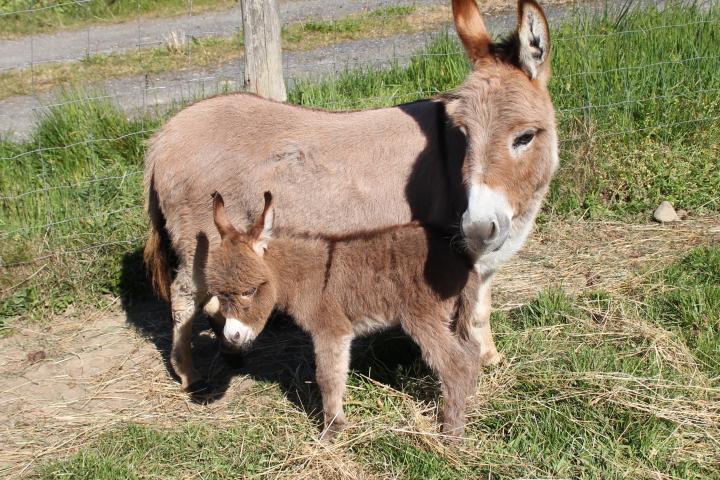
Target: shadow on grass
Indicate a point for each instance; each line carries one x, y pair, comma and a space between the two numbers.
281, 354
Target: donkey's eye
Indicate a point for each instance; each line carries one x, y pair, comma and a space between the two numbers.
249, 292
523, 140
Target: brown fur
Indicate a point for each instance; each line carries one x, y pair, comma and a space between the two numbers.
339, 172
340, 287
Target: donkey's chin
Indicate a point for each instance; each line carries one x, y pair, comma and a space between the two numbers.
478, 249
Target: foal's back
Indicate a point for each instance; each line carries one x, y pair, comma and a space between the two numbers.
399, 271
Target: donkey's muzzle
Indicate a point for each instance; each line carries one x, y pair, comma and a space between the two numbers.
488, 234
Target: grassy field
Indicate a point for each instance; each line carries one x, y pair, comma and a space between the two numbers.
26, 17
595, 386
210, 52
603, 384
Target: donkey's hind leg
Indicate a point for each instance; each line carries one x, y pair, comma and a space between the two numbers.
455, 362
183, 309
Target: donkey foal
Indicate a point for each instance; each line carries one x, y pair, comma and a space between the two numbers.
340, 287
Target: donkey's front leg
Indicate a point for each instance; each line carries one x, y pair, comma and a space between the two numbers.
332, 361
182, 305
481, 326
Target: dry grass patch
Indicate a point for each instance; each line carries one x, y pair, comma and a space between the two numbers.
588, 376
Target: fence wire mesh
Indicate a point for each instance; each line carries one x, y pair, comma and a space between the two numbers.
84, 84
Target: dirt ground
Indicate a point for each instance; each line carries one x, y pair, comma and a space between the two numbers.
64, 383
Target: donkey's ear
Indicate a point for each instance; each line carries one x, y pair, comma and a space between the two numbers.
471, 29
261, 231
222, 222
533, 41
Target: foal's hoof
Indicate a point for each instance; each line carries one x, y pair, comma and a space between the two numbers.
490, 358
331, 432
454, 434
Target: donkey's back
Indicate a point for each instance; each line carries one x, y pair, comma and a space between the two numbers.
243, 144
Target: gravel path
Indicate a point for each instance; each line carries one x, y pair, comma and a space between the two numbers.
77, 44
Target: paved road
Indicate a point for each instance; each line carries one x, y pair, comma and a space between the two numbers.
76, 44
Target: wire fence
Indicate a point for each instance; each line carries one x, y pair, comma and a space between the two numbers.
71, 181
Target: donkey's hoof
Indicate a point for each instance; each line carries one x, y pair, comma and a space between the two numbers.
490, 358
200, 391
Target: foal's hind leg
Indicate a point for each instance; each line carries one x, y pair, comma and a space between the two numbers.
183, 309
481, 326
453, 361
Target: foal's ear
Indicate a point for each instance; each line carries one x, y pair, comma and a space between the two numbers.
222, 222
533, 41
471, 29
261, 231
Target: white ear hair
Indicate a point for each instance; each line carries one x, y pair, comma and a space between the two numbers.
534, 45
261, 243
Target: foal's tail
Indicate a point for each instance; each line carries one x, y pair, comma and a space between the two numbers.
158, 251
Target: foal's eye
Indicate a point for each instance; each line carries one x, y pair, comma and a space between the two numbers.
249, 292
523, 140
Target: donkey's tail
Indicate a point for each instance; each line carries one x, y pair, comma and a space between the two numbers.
157, 255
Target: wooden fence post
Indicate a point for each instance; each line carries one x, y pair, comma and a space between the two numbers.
263, 52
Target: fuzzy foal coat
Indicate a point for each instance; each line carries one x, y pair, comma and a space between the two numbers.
339, 287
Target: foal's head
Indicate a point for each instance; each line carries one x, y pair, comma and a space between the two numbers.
238, 277
506, 114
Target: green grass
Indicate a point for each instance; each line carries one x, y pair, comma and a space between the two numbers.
17, 17
79, 172
593, 387
690, 308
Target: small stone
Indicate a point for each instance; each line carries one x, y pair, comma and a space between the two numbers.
665, 213
682, 214
35, 357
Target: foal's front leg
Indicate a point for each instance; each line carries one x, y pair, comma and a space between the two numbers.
332, 361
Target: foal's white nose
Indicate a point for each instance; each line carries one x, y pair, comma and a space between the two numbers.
236, 332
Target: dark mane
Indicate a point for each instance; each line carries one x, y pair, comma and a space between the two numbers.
506, 49
440, 231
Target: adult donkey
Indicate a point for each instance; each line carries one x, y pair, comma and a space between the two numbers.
480, 158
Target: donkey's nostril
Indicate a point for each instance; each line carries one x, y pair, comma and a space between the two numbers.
236, 336
482, 230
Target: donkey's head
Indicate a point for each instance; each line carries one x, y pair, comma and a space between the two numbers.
238, 277
505, 112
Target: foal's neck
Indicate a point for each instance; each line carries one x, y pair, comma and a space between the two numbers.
298, 265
